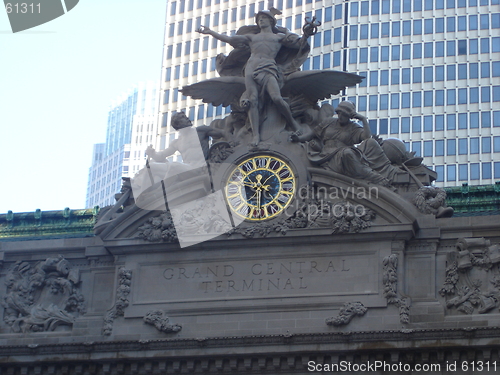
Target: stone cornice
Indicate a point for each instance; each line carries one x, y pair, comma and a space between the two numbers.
404, 339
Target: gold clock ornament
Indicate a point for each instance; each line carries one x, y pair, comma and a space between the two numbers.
260, 187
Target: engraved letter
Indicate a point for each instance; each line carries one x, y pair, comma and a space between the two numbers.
168, 273
254, 271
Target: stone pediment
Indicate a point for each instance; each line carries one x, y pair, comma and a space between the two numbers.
319, 208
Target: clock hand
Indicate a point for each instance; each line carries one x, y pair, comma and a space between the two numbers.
258, 201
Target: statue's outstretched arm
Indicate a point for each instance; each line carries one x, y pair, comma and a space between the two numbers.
232, 40
160, 156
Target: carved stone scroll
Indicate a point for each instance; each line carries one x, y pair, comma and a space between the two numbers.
160, 321
42, 297
346, 313
118, 309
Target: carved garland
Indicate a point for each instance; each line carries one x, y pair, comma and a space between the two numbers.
122, 292
390, 281
42, 297
342, 217
346, 313
160, 321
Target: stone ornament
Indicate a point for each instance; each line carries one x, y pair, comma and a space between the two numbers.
346, 313
159, 229
122, 302
202, 217
160, 321
472, 282
390, 281
42, 297
432, 200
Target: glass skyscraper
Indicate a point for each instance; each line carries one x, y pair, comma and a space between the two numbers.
432, 70
132, 126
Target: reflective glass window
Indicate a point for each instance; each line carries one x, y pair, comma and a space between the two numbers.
429, 26
462, 146
462, 96
451, 121
384, 104
373, 54
485, 45
406, 75
427, 123
439, 123
394, 76
486, 170
463, 172
385, 29
405, 125
428, 101
395, 53
462, 47
417, 50
473, 22
428, 49
473, 46
363, 55
439, 25
439, 147
384, 53
450, 24
439, 97
405, 100
394, 125
451, 173
406, 27
396, 28
365, 8
439, 73
485, 119
485, 145
363, 32
451, 147
474, 120
474, 145
417, 75
417, 100
439, 49
462, 121
450, 48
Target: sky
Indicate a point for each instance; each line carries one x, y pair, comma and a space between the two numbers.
57, 82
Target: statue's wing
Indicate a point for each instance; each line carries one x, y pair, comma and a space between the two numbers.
220, 90
318, 84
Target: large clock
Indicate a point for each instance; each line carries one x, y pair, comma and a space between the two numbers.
260, 187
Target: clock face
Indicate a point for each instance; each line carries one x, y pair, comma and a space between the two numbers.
260, 187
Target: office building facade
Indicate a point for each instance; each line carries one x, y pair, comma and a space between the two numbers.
432, 70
